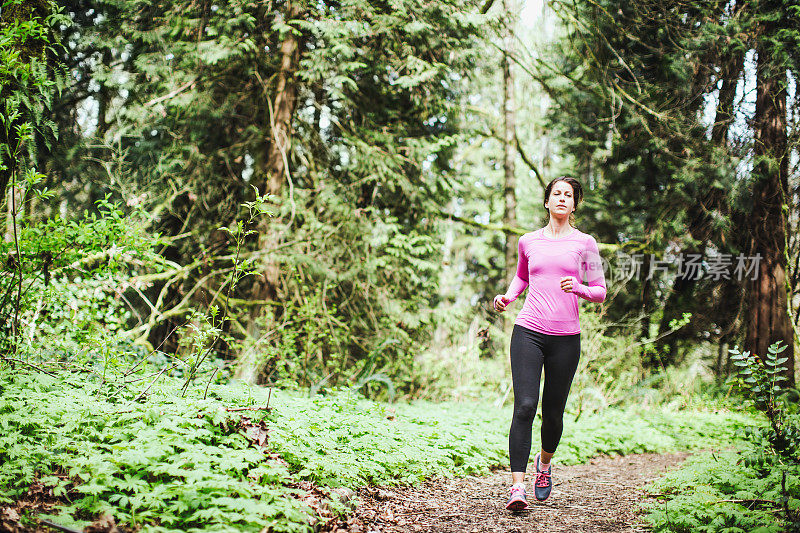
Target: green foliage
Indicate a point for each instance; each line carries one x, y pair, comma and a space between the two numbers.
718, 492
27, 83
756, 488
343, 439
174, 464
27, 87
649, 114
187, 97
760, 379
310, 346
776, 446
611, 372
67, 277
207, 329
463, 366
133, 445
68, 312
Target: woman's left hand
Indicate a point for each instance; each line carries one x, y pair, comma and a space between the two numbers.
567, 283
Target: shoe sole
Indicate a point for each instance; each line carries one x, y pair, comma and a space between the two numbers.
517, 506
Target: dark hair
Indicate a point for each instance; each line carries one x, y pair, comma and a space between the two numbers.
577, 194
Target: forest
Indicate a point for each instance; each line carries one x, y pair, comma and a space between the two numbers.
250, 251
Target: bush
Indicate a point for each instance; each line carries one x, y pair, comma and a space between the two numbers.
66, 282
756, 488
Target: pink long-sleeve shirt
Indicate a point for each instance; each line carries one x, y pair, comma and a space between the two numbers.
543, 261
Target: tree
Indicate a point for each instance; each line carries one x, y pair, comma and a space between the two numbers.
348, 112
635, 83
26, 82
509, 147
767, 224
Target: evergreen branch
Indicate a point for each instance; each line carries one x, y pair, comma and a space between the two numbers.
545, 85
599, 66
631, 99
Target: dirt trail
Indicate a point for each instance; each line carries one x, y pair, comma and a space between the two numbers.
599, 496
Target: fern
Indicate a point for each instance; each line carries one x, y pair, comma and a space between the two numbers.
756, 488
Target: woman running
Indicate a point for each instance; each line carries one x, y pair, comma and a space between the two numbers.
553, 262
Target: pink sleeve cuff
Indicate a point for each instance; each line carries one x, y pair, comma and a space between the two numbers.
592, 293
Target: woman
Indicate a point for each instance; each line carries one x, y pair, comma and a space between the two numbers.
552, 263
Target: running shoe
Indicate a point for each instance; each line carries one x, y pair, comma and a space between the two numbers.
544, 483
518, 500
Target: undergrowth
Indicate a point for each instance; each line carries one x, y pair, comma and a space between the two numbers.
168, 462
755, 487
718, 492
346, 440
173, 463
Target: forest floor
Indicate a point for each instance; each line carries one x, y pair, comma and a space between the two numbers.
602, 495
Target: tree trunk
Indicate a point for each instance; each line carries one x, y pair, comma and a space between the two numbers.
509, 155
283, 109
275, 174
769, 319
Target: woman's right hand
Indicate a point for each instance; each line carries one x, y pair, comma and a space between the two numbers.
500, 303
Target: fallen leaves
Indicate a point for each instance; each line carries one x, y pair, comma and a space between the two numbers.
255, 432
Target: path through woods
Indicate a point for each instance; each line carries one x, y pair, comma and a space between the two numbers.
602, 495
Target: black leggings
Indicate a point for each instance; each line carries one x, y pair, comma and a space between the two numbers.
530, 351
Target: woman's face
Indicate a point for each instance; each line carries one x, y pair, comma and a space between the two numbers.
561, 203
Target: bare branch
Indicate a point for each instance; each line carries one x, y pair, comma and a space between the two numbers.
528, 161
187, 85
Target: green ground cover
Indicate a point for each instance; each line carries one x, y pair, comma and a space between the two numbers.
721, 492
170, 463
